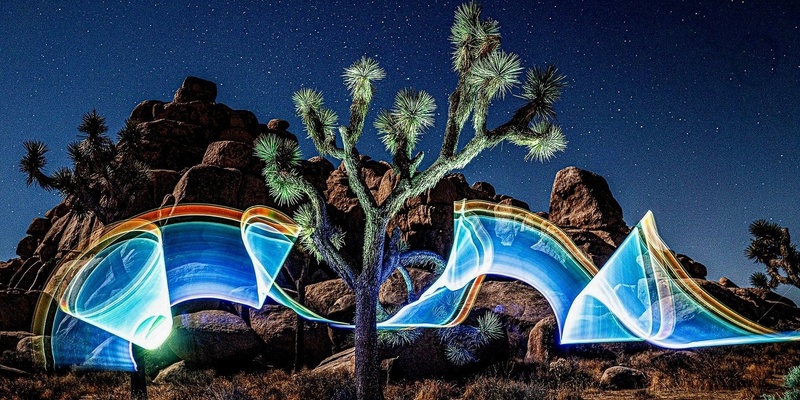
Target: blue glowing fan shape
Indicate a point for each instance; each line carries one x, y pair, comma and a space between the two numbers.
121, 288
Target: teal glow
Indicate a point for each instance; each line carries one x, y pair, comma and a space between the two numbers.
120, 290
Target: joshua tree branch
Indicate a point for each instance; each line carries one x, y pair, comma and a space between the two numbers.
422, 257
322, 233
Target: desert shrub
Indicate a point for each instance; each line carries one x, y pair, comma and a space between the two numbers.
435, 390
335, 385
791, 381
502, 389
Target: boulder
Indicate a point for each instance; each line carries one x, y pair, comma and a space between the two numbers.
277, 325
725, 282
242, 119
8, 269
515, 302
213, 117
277, 125
598, 245
542, 341
316, 170
209, 184
143, 112
183, 373
322, 296
485, 188
343, 361
692, 267
253, 192
238, 135
196, 89
27, 246
621, 378
229, 154
582, 199
213, 337
510, 201
173, 145
60, 210
69, 233
32, 274
30, 350
10, 339
17, 309
444, 193
39, 227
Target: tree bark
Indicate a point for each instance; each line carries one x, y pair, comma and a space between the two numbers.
368, 384
299, 335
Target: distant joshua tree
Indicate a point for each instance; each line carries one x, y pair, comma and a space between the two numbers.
485, 73
772, 246
104, 177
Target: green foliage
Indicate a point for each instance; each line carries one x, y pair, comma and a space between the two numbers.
33, 162
489, 328
542, 88
402, 126
791, 381
471, 37
399, 337
281, 157
485, 73
359, 77
462, 341
543, 141
104, 177
496, 74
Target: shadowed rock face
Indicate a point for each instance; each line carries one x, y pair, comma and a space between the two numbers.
582, 199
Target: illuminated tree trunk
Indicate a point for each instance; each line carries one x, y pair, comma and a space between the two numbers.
367, 370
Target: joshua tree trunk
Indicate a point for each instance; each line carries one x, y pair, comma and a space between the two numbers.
486, 73
368, 385
299, 336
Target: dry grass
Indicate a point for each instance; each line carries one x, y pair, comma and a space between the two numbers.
733, 373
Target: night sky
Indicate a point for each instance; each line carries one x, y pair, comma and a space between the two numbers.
688, 109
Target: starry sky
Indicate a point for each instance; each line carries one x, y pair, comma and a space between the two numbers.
688, 108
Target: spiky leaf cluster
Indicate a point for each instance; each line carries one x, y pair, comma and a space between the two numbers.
472, 37
320, 122
402, 126
359, 76
759, 280
543, 140
399, 337
489, 328
542, 88
281, 157
462, 341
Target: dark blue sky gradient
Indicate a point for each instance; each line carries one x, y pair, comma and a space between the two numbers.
688, 109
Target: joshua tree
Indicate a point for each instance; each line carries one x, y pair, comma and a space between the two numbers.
103, 177
772, 246
485, 73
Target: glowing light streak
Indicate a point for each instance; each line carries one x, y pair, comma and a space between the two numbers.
119, 289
